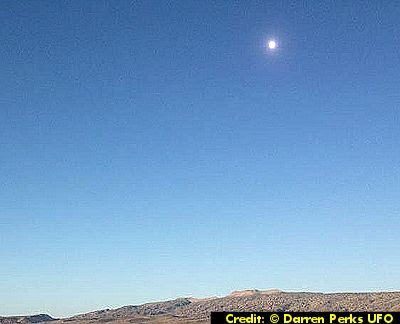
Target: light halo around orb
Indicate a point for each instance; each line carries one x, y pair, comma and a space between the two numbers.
272, 44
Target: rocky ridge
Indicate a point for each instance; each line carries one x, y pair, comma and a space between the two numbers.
197, 310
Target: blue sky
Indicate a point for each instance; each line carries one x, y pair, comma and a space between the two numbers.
156, 149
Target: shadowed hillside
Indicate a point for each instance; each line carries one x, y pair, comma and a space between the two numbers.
196, 311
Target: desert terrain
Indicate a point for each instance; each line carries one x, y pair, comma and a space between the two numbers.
197, 311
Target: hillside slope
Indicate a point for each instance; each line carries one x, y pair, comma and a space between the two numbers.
196, 311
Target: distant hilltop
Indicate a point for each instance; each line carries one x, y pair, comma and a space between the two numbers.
250, 292
26, 319
197, 310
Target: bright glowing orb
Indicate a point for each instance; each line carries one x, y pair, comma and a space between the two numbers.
272, 44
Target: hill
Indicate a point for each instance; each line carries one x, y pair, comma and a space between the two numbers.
196, 311
40, 318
